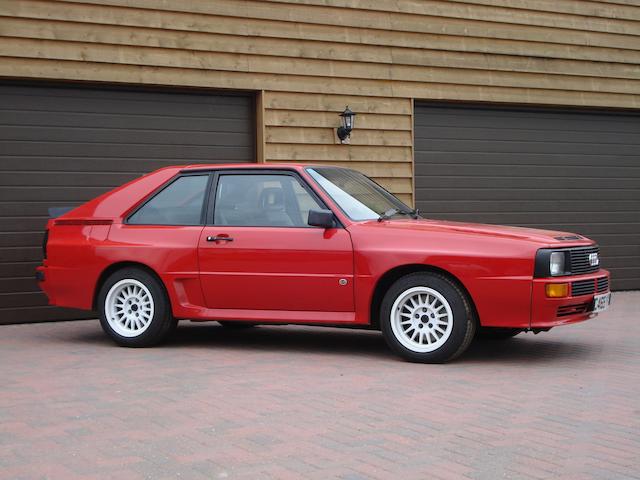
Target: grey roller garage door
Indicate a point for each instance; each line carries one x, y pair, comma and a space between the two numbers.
566, 170
63, 146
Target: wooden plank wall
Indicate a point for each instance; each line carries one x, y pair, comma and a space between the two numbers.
312, 57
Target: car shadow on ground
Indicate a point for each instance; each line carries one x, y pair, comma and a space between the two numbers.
524, 348
277, 338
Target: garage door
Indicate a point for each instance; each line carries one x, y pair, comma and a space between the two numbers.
63, 146
567, 170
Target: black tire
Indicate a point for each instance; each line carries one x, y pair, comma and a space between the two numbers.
162, 323
497, 333
234, 325
464, 322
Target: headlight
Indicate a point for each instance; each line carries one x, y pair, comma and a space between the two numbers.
556, 263
551, 262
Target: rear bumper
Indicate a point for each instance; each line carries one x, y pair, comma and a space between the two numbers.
44, 283
66, 287
40, 277
577, 307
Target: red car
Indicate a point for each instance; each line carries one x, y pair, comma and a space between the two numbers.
314, 245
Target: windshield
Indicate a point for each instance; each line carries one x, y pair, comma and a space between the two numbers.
357, 195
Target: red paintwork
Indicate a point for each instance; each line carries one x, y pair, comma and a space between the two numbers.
293, 262
289, 275
543, 309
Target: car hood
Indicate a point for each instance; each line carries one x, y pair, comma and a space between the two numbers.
546, 237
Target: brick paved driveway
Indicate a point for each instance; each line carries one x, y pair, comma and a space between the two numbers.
293, 402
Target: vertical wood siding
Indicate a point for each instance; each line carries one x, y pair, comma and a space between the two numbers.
310, 58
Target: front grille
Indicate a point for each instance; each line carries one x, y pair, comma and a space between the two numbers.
579, 259
583, 287
603, 284
566, 310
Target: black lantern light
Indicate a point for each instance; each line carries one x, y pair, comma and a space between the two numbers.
348, 119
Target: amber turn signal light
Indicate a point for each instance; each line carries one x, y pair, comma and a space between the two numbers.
557, 290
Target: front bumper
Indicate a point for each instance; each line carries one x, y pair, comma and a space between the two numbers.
578, 306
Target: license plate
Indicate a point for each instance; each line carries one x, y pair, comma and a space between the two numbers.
601, 302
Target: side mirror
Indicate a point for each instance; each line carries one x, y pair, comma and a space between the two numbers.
321, 218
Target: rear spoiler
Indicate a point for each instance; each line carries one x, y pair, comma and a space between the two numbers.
83, 221
55, 212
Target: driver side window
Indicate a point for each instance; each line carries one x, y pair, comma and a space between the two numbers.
269, 200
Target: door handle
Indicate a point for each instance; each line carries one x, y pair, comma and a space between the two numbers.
219, 238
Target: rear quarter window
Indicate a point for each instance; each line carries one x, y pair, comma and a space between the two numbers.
179, 203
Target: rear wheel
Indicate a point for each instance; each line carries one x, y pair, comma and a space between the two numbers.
425, 317
134, 309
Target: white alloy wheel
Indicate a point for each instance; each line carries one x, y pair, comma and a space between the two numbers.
129, 307
421, 319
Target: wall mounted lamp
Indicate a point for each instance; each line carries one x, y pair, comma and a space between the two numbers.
348, 120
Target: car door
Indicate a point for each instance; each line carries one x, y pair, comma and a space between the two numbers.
258, 252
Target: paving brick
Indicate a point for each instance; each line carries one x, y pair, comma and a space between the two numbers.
312, 403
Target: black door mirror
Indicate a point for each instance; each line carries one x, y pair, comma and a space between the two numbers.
321, 218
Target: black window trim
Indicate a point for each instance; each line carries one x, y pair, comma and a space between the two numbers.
217, 173
166, 185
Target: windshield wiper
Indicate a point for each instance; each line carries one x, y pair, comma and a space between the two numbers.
394, 211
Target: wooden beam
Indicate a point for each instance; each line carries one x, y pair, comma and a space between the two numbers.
327, 136
89, 33
12, 67
215, 61
260, 127
464, 36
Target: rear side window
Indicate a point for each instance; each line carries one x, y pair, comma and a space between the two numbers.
180, 203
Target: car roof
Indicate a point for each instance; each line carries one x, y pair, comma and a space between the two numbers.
202, 166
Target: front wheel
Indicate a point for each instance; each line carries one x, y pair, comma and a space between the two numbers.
134, 309
425, 317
